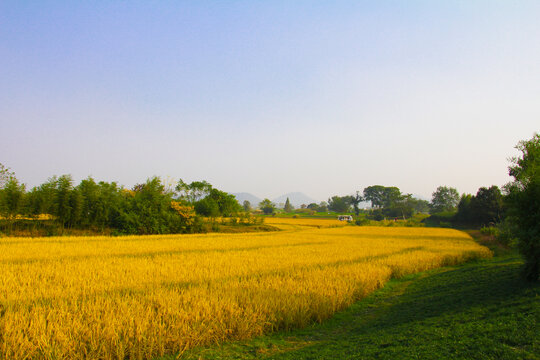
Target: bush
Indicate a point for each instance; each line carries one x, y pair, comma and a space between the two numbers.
490, 230
444, 219
376, 215
363, 222
506, 233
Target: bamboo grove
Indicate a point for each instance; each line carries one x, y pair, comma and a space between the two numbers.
152, 207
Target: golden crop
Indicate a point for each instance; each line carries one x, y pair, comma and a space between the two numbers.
144, 296
300, 222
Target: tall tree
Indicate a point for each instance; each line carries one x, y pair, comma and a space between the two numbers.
62, 201
420, 206
90, 193
524, 203
375, 194
5, 175
267, 206
288, 207
404, 206
247, 206
42, 198
390, 196
339, 204
207, 207
487, 205
355, 201
194, 191
465, 213
227, 204
444, 199
11, 198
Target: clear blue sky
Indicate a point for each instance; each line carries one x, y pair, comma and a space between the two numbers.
323, 97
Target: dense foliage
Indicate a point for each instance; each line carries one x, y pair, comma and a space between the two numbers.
524, 204
267, 206
483, 209
390, 202
147, 208
444, 199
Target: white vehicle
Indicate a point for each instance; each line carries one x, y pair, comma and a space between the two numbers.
345, 218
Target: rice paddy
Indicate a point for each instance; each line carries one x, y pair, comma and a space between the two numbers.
144, 296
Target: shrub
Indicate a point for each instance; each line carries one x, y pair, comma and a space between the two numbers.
362, 222
489, 230
506, 233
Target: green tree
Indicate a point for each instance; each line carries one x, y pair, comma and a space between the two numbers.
381, 196
444, 199
355, 201
11, 198
313, 206
339, 204
465, 212
75, 203
90, 192
247, 206
390, 196
193, 192
288, 207
403, 207
374, 194
482, 209
267, 206
62, 201
109, 205
524, 203
100, 203
148, 210
420, 206
5, 175
487, 205
207, 207
227, 204
41, 199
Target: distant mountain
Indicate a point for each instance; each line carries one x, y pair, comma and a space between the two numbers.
296, 199
253, 200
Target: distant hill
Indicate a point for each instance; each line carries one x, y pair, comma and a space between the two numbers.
296, 199
253, 200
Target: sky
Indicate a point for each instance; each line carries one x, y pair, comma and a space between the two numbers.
322, 97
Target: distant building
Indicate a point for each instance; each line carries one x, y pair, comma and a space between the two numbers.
345, 218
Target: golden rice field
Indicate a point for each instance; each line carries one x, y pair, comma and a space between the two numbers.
144, 296
300, 222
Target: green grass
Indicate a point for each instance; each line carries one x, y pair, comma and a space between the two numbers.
479, 310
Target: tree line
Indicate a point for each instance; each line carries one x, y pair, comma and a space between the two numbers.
485, 207
146, 208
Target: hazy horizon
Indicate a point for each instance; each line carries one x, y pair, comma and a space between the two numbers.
270, 98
